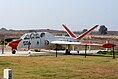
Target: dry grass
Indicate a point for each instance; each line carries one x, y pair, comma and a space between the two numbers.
62, 67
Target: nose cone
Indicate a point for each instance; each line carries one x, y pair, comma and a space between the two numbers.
14, 44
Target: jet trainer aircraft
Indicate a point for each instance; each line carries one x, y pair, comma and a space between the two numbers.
39, 40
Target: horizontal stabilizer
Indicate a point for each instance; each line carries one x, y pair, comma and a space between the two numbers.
71, 34
85, 33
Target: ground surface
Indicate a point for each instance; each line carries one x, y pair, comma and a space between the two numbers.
61, 67
44, 65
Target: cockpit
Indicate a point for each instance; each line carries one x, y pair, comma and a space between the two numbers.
33, 35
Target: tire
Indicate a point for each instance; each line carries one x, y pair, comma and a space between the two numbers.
37, 50
13, 51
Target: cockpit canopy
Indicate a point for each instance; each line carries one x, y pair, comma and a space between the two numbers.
36, 35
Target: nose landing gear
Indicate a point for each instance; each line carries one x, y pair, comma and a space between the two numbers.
13, 51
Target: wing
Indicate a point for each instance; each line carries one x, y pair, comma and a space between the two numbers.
105, 45
65, 42
75, 43
90, 44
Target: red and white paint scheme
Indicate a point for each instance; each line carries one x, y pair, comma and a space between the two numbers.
39, 40
71, 34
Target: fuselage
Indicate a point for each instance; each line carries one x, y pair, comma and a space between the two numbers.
38, 40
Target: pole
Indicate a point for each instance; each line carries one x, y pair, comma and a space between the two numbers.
2, 49
56, 50
113, 53
3, 46
85, 50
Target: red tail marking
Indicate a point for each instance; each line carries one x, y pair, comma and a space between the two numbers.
85, 33
69, 32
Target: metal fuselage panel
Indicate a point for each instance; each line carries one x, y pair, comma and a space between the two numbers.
38, 40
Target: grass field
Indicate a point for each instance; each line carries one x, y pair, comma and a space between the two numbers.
62, 67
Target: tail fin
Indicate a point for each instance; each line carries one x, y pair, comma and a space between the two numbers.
85, 33
71, 34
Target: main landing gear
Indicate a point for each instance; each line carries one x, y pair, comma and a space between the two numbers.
68, 49
67, 52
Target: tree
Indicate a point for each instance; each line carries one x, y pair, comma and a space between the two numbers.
84, 30
103, 29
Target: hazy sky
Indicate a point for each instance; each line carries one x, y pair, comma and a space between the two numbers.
51, 14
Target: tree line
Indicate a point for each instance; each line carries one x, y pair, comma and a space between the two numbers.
102, 30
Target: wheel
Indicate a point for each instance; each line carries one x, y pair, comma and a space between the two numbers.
13, 51
37, 50
78, 51
67, 52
